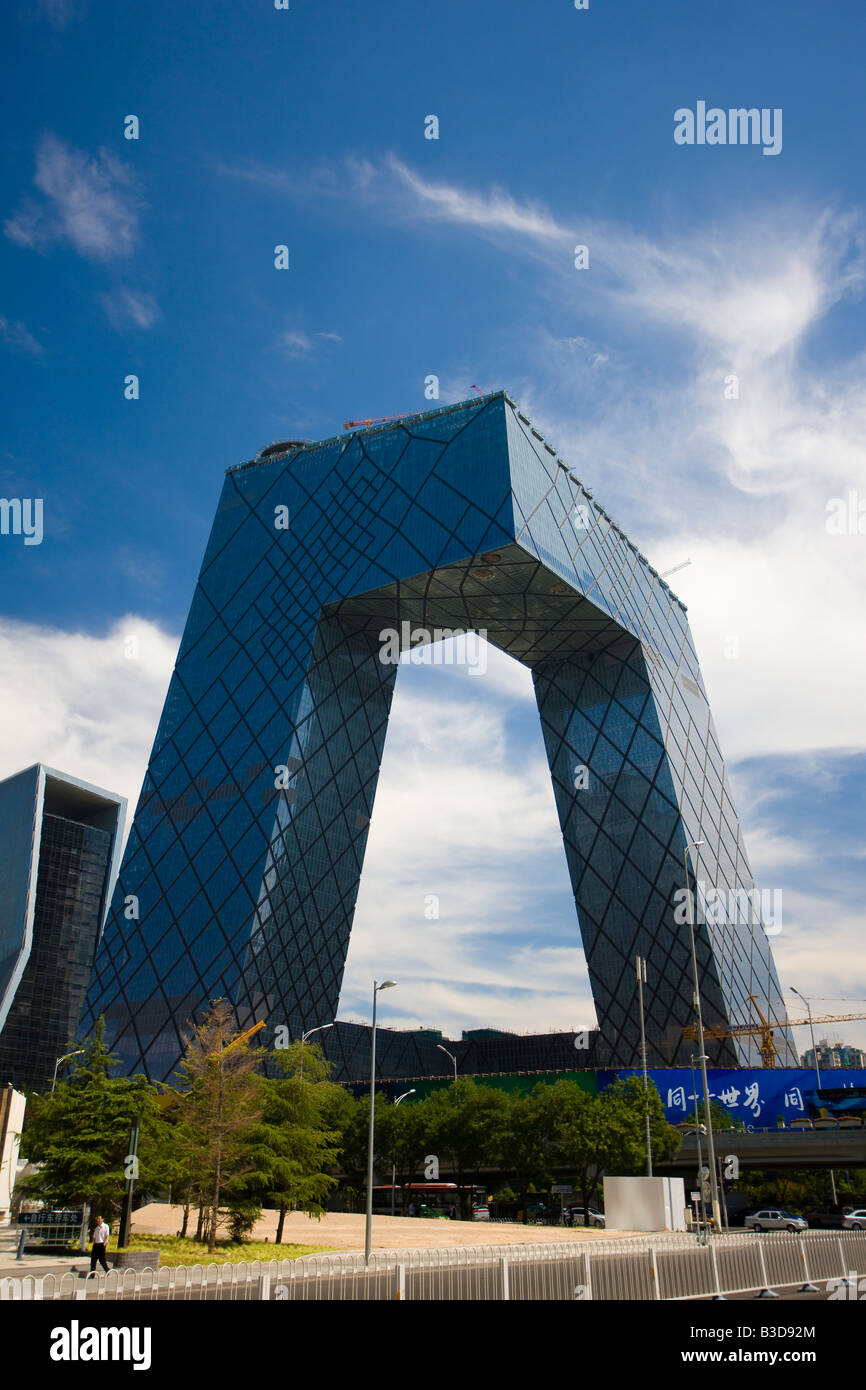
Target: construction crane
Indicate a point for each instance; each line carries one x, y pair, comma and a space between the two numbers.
241, 1038
765, 1028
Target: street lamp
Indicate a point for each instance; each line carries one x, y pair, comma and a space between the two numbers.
817, 1073
77, 1053
394, 1164
451, 1055
368, 1225
703, 1210
711, 1148
310, 1031
641, 981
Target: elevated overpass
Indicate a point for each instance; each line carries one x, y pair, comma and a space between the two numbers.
777, 1148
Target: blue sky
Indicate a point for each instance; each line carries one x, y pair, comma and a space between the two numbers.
452, 257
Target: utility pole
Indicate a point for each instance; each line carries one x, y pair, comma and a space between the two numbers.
711, 1148
132, 1166
641, 981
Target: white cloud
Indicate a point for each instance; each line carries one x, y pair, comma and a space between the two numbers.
90, 202
466, 815
78, 703
494, 211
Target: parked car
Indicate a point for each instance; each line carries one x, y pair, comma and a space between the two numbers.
775, 1219
855, 1220
826, 1218
577, 1216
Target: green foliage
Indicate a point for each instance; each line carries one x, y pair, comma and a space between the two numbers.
80, 1134
240, 1217
217, 1111
401, 1140
722, 1119
529, 1143
293, 1147
467, 1123
175, 1250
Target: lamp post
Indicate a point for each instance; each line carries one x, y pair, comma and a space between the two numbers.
77, 1053
711, 1148
451, 1055
641, 981
817, 1074
368, 1224
309, 1033
703, 1212
394, 1164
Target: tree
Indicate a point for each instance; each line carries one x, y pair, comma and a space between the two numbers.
401, 1141
354, 1124
293, 1145
607, 1133
722, 1119
528, 1143
468, 1124
218, 1111
80, 1132
578, 1134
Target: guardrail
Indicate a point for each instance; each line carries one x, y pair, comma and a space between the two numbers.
661, 1268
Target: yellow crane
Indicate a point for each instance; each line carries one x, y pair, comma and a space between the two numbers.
765, 1027
168, 1096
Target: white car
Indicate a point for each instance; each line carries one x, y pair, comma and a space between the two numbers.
775, 1219
855, 1220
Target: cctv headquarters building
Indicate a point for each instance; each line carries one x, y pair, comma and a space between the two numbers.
243, 864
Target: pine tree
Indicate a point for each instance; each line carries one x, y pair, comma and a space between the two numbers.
293, 1145
221, 1104
79, 1134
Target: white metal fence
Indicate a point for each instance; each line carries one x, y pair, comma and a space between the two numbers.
664, 1267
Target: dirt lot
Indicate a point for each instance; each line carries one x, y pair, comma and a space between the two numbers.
342, 1231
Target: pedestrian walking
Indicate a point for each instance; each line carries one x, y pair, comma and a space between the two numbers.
101, 1232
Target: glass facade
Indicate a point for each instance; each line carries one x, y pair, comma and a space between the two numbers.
40, 1026
243, 864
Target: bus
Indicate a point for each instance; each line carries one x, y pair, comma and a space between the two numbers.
430, 1199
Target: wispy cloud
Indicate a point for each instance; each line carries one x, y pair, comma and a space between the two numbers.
17, 335
295, 343
126, 308
91, 203
495, 210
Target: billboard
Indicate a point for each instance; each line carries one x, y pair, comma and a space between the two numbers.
758, 1097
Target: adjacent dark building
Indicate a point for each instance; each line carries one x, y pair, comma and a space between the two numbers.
59, 841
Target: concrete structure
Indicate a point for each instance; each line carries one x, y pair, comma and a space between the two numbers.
59, 848
325, 562
12, 1105
644, 1204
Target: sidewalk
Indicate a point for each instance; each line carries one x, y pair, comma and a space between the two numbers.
34, 1262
